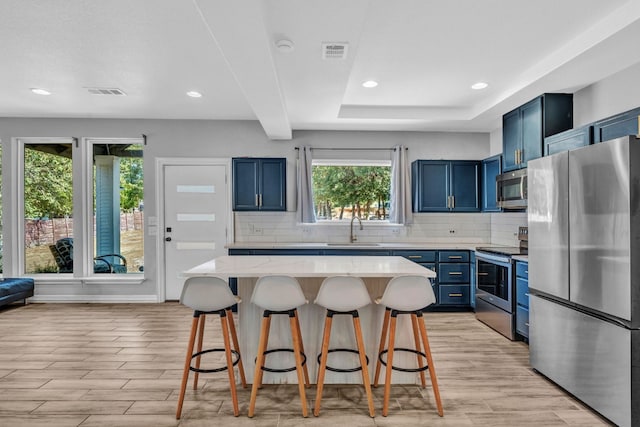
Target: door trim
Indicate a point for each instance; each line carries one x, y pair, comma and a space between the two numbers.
161, 162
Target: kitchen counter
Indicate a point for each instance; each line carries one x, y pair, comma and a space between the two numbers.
357, 245
310, 271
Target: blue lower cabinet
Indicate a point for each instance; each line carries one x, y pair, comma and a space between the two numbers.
522, 321
454, 294
356, 252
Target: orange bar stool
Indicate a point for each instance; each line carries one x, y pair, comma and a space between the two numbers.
406, 295
279, 295
343, 295
210, 295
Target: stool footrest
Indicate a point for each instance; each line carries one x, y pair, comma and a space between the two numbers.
211, 350
349, 350
408, 350
276, 350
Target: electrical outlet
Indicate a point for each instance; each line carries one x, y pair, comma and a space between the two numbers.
258, 231
395, 231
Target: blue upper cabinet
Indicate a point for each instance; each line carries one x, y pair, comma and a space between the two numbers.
445, 186
524, 129
259, 184
568, 140
627, 123
491, 168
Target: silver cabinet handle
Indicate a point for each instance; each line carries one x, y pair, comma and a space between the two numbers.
527, 324
257, 200
515, 154
455, 295
415, 256
526, 294
453, 202
455, 256
260, 199
455, 273
482, 274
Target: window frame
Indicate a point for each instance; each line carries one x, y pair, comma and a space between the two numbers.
82, 175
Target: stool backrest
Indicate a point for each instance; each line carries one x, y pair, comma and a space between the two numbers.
207, 294
343, 293
408, 293
278, 293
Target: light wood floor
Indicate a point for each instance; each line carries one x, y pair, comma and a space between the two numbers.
120, 365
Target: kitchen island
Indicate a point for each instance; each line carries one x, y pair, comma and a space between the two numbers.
310, 272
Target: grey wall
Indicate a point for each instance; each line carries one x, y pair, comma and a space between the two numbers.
214, 139
614, 94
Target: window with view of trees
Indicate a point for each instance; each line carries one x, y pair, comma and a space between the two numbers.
343, 191
113, 209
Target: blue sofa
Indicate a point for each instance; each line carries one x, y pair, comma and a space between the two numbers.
15, 289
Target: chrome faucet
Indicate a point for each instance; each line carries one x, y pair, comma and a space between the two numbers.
353, 237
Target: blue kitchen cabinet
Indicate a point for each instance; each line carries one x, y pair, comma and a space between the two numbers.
259, 184
568, 140
522, 298
356, 252
524, 128
446, 185
491, 168
623, 124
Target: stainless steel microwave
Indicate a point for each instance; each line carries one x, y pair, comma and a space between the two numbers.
511, 189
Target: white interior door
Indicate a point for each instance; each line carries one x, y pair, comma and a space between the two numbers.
195, 219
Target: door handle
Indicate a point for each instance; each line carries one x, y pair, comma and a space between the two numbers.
453, 202
167, 239
515, 154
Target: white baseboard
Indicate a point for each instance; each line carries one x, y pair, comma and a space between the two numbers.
95, 298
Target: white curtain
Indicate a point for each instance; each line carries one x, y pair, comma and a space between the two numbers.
305, 212
400, 209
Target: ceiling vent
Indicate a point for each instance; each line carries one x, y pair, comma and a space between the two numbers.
106, 91
334, 50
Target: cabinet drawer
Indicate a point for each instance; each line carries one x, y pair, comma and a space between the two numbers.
522, 321
417, 256
522, 269
522, 292
454, 295
453, 256
453, 272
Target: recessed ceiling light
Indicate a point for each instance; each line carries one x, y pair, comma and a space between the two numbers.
40, 91
479, 85
370, 83
194, 94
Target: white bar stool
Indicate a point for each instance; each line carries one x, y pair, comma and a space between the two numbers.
210, 295
343, 295
279, 295
406, 295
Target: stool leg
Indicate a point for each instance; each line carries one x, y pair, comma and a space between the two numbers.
323, 362
432, 368
227, 353
236, 347
295, 334
266, 344
389, 369
383, 338
307, 382
187, 364
262, 346
416, 339
366, 381
200, 339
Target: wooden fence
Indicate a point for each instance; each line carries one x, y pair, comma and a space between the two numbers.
46, 231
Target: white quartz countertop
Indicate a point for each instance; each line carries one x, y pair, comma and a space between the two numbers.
309, 266
357, 245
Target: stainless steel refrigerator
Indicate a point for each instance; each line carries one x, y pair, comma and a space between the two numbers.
584, 274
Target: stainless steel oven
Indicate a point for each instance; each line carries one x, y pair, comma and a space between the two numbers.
494, 292
511, 189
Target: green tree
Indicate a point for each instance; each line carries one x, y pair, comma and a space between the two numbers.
131, 183
48, 184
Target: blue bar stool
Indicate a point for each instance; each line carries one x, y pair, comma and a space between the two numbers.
210, 295
279, 295
343, 295
406, 295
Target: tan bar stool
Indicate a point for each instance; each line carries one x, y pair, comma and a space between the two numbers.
210, 295
406, 295
279, 295
343, 295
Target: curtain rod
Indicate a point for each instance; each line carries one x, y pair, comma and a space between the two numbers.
353, 149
